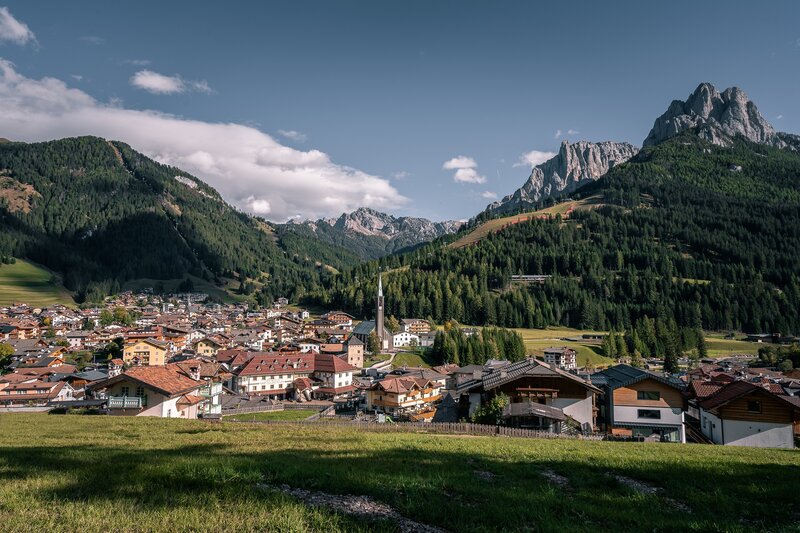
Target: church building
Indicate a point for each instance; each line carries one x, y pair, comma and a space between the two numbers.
363, 330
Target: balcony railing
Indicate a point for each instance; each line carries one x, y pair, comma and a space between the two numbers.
214, 389
124, 402
210, 409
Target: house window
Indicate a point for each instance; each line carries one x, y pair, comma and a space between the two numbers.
648, 395
754, 406
139, 391
125, 391
650, 414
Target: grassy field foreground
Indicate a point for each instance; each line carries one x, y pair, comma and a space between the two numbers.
93, 473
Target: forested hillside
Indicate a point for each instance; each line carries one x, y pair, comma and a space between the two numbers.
687, 231
101, 214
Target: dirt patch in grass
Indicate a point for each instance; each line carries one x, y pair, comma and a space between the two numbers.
555, 479
361, 506
484, 475
645, 488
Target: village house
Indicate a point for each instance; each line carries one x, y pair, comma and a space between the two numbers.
28, 391
402, 396
403, 339
208, 347
638, 403
338, 318
747, 414
162, 391
415, 325
294, 376
569, 400
145, 352
564, 358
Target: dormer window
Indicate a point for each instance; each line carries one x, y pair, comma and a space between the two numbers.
754, 407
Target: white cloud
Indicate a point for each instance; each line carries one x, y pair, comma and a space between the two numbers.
465, 169
293, 135
76, 77
779, 117
156, 83
249, 168
461, 161
533, 158
572, 132
489, 195
401, 175
14, 31
138, 62
558, 134
93, 39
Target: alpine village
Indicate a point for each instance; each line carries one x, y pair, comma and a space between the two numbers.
612, 346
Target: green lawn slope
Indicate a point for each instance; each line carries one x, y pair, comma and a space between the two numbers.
94, 473
24, 282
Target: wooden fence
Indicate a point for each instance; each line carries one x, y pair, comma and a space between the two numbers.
269, 408
449, 428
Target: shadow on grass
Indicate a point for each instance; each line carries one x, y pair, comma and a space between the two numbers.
455, 490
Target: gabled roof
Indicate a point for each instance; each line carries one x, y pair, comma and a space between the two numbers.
703, 389
331, 363
167, 380
738, 389
623, 375
364, 328
400, 384
527, 367
148, 340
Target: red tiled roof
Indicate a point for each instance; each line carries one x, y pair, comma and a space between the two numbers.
189, 399
165, 379
331, 363
703, 389
278, 363
400, 384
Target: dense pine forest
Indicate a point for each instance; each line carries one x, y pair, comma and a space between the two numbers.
687, 232
100, 213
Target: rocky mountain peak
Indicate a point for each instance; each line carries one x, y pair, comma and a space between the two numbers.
575, 164
716, 117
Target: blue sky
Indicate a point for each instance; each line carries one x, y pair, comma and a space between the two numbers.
379, 95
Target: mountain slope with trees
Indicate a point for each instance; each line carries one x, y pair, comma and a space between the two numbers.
101, 213
689, 232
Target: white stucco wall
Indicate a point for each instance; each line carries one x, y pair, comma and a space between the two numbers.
579, 409
746, 433
669, 416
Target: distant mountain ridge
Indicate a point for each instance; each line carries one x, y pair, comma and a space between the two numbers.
372, 234
716, 117
574, 165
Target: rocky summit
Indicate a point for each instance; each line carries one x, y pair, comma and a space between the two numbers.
716, 117
574, 165
366, 221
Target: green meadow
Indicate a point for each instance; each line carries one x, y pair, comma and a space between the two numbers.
96, 473
24, 282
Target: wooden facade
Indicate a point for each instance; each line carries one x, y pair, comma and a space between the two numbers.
628, 395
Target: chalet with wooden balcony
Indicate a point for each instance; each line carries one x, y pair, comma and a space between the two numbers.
403, 395
530, 383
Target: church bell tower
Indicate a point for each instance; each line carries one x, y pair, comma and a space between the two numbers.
379, 330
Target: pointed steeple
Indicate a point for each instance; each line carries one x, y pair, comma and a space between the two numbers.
380, 285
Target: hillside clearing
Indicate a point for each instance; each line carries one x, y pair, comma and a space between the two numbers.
24, 282
498, 224
159, 475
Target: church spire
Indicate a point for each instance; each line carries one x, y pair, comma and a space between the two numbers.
380, 285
